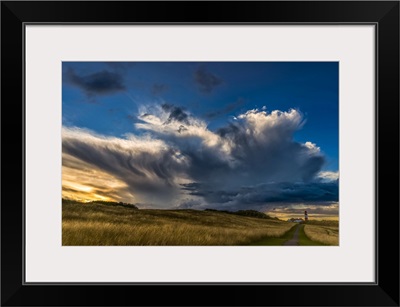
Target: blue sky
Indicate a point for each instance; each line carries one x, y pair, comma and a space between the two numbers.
114, 101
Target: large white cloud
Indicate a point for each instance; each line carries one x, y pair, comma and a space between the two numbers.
177, 158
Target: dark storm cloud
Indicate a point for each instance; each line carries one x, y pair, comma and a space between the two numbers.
99, 83
193, 186
227, 109
278, 194
312, 166
175, 114
259, 155
206, 81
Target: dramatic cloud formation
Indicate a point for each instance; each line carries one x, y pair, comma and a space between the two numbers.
178, 162
148, 167
205, 80
99, 83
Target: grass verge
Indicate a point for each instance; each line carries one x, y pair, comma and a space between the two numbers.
276, 241
326, 235
306, 241
303, 239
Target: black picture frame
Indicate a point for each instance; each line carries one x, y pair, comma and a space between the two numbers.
383, 14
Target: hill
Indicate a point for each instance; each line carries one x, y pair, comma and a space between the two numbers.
102, 223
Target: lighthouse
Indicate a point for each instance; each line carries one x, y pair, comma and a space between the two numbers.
305, 216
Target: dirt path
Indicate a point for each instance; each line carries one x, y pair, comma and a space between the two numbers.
295, 239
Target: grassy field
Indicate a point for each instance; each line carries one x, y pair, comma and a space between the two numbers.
303, 239
274, 241
328, 235
103, 224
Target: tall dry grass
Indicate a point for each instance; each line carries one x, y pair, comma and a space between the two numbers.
324, 234
94, 224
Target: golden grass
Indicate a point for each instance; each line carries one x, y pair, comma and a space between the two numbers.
324, 234
95, 224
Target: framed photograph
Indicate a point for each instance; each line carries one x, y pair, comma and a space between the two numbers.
241, 147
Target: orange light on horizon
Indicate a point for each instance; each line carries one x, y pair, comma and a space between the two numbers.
87, 183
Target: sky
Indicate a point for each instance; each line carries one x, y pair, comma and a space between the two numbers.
222, 135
